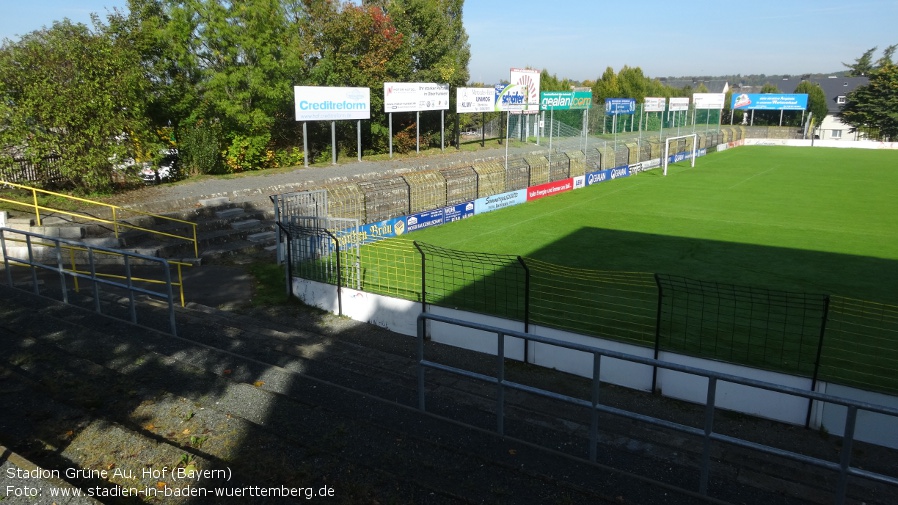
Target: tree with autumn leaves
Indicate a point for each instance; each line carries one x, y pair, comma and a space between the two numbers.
214, 78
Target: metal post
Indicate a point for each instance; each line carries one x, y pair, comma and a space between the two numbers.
442, 131
305, 143
807, 421
359, 138
334, 142
390, 123
500, 392
845, 460
417, 131
421, 369
706, 441
657, 333
594, 412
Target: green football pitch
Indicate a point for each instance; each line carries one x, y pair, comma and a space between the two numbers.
813, 220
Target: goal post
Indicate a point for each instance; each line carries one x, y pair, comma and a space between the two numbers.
667, 142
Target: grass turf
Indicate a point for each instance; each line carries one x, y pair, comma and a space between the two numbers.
819, 220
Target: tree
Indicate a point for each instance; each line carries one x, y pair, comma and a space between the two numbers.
863, 65
74, 93
874, 106
816, 99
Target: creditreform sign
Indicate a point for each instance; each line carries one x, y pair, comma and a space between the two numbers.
770, 101
318, 103
415, 96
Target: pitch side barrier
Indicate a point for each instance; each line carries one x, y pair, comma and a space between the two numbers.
708, 436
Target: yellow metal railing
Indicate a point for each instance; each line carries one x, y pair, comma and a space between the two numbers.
116, 221
72, 250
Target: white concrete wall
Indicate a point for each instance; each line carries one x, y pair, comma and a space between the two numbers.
401, 316
871, 427
859, 144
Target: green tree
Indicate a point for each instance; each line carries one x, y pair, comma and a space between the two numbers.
863, 65
816, 100
76, 93
874, 107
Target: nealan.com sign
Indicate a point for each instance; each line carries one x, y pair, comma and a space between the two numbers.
318, 103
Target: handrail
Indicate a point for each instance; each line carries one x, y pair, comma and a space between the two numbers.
843, 467
73, 249
115, 210
96, 279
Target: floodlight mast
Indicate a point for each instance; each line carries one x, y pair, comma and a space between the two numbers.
667, 142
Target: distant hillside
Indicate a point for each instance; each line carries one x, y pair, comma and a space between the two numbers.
742, 80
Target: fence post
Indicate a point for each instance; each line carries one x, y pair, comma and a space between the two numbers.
807, 421
526, 307
423, 278
289, 269
657, 333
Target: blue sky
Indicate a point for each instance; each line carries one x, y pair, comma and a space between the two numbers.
578, 39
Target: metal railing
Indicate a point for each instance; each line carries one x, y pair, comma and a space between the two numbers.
97, 279
116, 221
707, 433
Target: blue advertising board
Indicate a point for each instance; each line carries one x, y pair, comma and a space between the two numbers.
607, 175
370, 232
686, 155
500, 201
770, 101
425, 219
620, 106
458, 212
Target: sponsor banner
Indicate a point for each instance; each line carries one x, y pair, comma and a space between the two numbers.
500, 201
565, 100
321, 103
652, 163
580, 182
686, 155
458, 212
527, 79
620, 106
607, 175
711, 101
424, 220
549, 189
735, 143
721, 147
415, 96
510, 98
678, 103
770, 101
474, 100
654, 104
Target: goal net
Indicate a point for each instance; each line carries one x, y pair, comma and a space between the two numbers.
687, 151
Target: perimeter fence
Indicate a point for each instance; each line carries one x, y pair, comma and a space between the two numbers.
823, 337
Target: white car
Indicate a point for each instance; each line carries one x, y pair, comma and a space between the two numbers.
166, 170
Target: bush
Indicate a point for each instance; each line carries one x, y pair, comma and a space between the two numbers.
249, 153
199, 147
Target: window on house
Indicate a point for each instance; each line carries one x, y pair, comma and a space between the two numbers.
840, 100
837, 134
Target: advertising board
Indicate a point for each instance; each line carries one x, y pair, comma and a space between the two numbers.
500, 201
607, 175
322, 103
678, 104
654, 104
565, 100
620, 106
770, 101
549, 189
415, 96
469, 100
528, 80
710, 101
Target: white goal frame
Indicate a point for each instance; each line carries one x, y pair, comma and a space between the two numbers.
667, 142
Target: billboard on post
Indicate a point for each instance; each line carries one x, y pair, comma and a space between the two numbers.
710, 101
654, 104
475, 100
620, 106
565, 100
415, 96
528, 79
510, 97
678, 103
322, 103
770, 101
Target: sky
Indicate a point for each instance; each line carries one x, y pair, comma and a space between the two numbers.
579, 39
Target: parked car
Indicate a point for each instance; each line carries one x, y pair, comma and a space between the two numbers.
166, 170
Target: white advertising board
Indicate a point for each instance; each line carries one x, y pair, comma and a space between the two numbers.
474, 100
415, 96
321, 103
528, 79
654, 104
712, 101
678, 104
